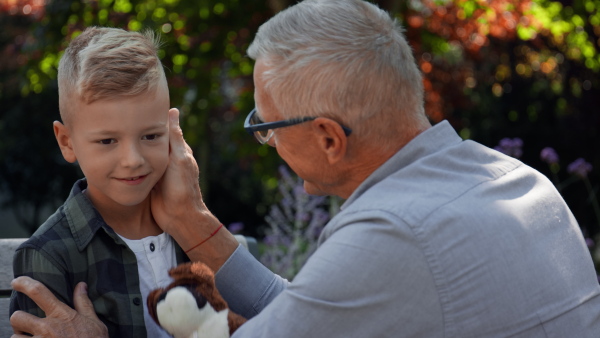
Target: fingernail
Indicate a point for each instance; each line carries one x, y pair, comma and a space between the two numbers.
83, 287
174, 118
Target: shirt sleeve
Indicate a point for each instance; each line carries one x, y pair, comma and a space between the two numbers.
368, 279
32, 263
246, 284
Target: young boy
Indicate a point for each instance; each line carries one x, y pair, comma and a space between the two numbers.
114, 106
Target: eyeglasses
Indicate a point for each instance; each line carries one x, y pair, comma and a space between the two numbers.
263, 131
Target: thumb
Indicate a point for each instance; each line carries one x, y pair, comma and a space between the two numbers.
176, 134
177, 145
83, 304
174, 116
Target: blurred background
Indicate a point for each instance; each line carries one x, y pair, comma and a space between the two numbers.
518, 75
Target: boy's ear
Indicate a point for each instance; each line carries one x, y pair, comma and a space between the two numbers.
63, 137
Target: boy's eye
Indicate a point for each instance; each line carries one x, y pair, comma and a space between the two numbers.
107, 141
150, 137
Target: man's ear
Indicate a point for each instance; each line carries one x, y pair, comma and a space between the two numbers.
63, 137
331, 139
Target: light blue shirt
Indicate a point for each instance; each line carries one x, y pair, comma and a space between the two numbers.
448, 238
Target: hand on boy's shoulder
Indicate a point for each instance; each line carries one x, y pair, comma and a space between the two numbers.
61, 320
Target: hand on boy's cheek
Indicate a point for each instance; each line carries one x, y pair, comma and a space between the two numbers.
177, 192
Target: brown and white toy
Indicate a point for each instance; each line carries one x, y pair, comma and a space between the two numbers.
191, 306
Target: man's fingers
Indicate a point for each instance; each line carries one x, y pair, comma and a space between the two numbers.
23, 322
39, 293
176, 141
61, 320
82, 302
174, 117
175, 133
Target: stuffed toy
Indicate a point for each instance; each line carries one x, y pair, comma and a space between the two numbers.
191, 306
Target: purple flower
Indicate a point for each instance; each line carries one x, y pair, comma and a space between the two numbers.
580, 168
589, 242
236, 228
511, 147
549, 156
294, 225
270, 240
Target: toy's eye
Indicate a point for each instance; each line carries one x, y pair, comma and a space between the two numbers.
200, 300
162, 297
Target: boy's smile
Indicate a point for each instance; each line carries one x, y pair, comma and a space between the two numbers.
133, 180
122, 147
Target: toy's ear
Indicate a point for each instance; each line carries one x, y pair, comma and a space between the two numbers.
202, 278
63, 137
152, 302
182, 271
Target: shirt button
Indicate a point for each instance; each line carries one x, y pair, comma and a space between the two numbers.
137, 301
152, 247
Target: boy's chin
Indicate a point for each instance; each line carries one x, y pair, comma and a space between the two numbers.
130, 199
133, 200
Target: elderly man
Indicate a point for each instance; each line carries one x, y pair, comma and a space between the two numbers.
438, 237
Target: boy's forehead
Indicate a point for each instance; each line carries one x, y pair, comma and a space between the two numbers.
148, 110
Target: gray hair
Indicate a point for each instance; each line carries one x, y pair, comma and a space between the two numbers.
343, 59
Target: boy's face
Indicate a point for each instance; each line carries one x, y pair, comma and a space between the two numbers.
122, 146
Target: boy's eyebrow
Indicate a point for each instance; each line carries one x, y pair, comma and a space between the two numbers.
158, 125
104, 132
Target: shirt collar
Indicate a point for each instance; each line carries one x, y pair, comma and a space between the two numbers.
84, 220
432, 140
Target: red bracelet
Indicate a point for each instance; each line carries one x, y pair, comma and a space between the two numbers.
207, 238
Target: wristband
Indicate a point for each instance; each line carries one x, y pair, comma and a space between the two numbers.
206, 239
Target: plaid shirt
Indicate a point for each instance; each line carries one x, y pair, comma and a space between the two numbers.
74, 245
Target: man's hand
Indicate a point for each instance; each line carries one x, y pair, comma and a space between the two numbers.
179, 210
61, 321
177, 194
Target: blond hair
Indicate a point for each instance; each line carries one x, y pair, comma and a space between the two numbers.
106, 63
344, 59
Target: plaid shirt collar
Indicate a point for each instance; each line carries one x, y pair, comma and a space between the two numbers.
83, 218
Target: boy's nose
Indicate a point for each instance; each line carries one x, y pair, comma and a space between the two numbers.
131, 156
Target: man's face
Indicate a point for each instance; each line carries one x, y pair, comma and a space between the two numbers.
297, 145
122, 146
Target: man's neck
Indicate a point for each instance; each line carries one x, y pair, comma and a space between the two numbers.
369, 160
358, 172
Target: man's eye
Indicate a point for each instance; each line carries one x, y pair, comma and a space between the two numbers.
107, 141
150, 137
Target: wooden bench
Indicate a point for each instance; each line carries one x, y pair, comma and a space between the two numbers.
249, 243
7, 249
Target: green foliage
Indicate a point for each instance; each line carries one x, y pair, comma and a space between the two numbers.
210, 81
526, 69
493, 68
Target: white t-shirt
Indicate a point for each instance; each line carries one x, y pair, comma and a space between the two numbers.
155, 256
